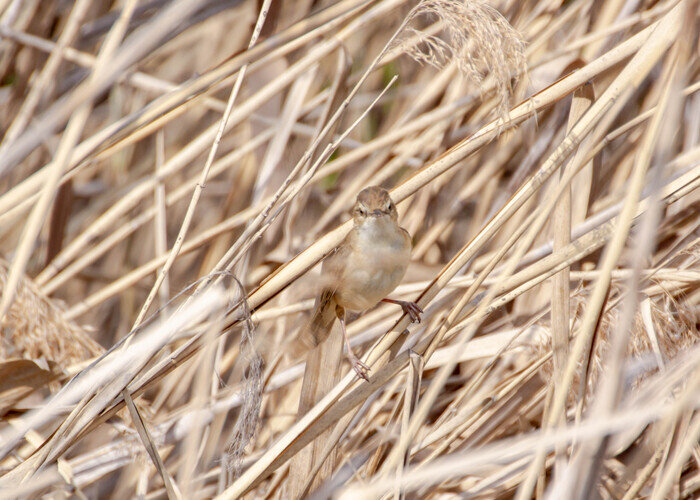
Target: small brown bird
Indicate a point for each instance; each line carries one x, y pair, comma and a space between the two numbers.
364, 268
367, 265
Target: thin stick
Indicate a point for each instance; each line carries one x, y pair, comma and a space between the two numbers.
150, 446
197, 193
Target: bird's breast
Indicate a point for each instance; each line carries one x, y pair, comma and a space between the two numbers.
380, 256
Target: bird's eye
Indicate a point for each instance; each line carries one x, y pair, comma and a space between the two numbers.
362, 211
389, 206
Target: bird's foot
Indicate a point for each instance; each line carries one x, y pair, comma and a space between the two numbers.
360, 368
412, 309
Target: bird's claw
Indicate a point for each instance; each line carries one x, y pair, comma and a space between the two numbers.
360, 368
412, 309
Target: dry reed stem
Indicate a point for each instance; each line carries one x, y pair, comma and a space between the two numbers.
654, 49
182, 94
561, 228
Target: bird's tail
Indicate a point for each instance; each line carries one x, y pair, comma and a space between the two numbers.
323, 369
322, 319
324, 355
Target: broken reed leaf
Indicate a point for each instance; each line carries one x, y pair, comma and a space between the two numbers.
20, 377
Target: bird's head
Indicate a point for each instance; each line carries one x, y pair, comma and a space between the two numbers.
374, 203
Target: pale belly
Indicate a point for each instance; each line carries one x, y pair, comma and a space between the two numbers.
381, 270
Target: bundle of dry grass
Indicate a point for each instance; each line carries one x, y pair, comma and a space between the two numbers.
173, 172
34, 328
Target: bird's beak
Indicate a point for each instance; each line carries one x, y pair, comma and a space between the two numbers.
377, 213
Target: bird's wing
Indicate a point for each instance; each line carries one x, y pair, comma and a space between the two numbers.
407, 236
334, 264
324, 309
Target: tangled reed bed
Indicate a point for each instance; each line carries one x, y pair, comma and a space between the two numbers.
173, 172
